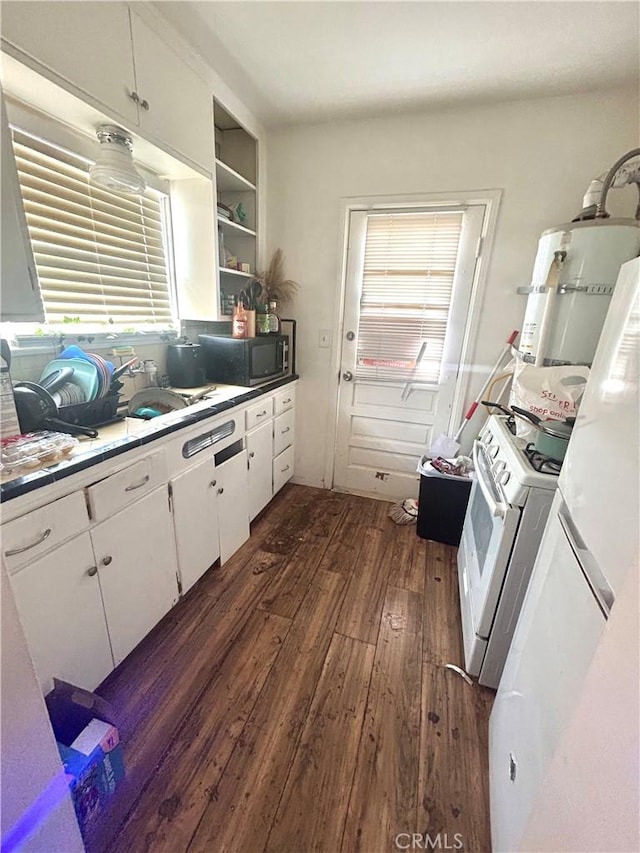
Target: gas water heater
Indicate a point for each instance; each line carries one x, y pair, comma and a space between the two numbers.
574, 275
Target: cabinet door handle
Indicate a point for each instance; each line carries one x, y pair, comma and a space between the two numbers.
134, 97
38, 541
251, 455
106, 561
213, 484
288, 400
144, 104
286, 429
92, 571
139, 485
220, 491
261, 415
282, 470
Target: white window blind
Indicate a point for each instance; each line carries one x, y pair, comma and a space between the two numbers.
407, 284
100, 256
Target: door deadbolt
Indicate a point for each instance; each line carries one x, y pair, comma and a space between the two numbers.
351, 336
347, 376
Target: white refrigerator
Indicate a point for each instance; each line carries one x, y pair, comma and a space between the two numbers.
590, 544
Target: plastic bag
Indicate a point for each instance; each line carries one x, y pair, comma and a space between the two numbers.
548, 392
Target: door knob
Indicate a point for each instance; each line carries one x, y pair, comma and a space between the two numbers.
106, 561
347, 376
213, 484
351, 336
92, 571
220, 491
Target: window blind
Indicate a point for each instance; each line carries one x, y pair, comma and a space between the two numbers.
407, 284
100, 256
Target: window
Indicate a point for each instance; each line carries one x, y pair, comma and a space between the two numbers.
101, 257
407, 287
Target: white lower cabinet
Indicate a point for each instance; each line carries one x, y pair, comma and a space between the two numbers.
260, 450
60, 606
233, 504
195, 516
282, 469
136, 558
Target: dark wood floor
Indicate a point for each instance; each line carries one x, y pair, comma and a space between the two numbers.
297, 699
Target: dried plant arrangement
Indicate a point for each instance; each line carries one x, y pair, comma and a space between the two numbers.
274, 284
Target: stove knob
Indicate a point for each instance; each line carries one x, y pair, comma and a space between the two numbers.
498, 467
493, 451
487, 438
504, 477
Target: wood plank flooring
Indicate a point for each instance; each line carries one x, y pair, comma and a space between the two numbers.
297, 699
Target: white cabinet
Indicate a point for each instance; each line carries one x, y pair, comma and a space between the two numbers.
21, 301
283, 431
195, 516
282, 469
180, 105
260, 451
87, 44
108, 52
233, 504
60, 606
136, 558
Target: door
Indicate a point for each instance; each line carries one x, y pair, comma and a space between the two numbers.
58, 598
260, 450
136, 557
233, 504
88, 44
195, 517
556, 637
408, 285
176, 104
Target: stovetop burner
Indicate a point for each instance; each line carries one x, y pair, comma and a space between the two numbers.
540, 462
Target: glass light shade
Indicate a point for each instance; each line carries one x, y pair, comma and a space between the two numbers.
114, 168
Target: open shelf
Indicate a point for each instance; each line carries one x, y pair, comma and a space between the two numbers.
235, 227
227, 271
228, 180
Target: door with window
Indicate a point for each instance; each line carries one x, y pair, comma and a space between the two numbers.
408, 287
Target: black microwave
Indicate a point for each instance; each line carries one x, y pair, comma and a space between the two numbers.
245, 361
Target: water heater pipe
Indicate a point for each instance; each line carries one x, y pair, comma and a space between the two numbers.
630, 177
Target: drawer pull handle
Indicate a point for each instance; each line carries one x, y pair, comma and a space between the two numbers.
251, 455
261, 415
213, 484
220, 491
93, 571
282, 470
144, 104
286, 429
288, 400
139, 485
38, 541
106, 561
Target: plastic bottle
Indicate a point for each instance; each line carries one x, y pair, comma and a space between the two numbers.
239, 325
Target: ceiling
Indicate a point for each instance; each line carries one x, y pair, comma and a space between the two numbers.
296, 62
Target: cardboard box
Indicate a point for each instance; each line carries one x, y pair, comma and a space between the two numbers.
89, 745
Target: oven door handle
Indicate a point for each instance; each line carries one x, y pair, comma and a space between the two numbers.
498, 509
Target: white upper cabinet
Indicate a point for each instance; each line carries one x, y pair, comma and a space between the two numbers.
175, 104
87, 44
20, 299
107, 51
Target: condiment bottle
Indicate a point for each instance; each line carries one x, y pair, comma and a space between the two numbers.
273, 321
239, 325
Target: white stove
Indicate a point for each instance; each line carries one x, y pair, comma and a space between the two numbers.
507, 512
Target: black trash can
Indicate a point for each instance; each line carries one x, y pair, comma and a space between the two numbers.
441, 508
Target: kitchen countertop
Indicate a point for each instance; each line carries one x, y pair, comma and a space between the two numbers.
122, 436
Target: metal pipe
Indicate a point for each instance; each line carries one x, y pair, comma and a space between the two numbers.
601, 211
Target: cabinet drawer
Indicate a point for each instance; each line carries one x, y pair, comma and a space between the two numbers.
116, 492
282, 468
259, 413
284, 400
283, 431
26, 538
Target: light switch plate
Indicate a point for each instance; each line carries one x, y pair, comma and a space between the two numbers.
324, 339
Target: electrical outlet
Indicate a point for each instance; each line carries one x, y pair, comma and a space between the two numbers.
324, 339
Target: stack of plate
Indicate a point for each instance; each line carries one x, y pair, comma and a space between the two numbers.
91, 376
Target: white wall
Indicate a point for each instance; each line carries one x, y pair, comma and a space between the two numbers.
541, 153
590, 797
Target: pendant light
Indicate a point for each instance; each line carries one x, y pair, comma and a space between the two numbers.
114, 168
